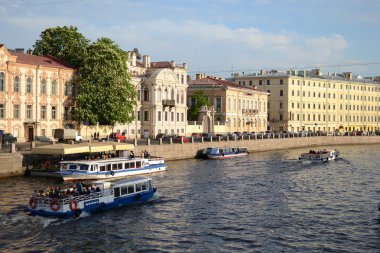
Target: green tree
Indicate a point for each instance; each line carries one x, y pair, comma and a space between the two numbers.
64, 43
201, 100
105, 92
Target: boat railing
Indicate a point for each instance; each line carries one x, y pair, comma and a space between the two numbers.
45, 201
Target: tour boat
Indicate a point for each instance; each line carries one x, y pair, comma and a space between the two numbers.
99, 196
110, 168
319, 155
224, 153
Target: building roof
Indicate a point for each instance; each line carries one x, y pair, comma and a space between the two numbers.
211, 81
46, 61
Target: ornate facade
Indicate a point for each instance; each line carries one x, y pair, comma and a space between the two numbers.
311, 101
34, 93
161, 98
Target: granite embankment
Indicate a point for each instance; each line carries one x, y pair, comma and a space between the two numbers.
13, 164
188, 150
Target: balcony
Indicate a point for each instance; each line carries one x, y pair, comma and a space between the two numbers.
168, 102
249, 112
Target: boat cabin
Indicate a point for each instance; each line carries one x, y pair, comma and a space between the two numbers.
102, 165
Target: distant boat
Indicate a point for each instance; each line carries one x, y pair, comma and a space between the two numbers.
111, 168
319, 155
65, 203
223, 153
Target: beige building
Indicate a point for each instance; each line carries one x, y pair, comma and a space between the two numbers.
311, 101
238, 108
34, 94
161, 98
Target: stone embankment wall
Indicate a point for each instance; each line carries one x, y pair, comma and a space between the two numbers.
177, 151
11, 165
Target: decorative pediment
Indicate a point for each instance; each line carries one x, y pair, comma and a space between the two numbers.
2, 98
54, 100
44, 75
29, 99
16, 99
54, 76
16, 71
43, 100
29, 73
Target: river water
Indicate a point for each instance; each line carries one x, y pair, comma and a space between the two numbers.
267, 202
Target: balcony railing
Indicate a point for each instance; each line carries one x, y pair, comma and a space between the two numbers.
168, 102
249, 111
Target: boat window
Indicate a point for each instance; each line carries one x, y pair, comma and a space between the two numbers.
132, 165
144, 186
126, 166
124, 190
131, 189
72, 167
64, 166
138, 164
114, 166
83, 167
94, 167
108, 167
117, 191
138, 188
149, 184
119, 166
102, 168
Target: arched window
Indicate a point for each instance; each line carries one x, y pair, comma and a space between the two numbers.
172, 95
16, 84
29, 85
43, 86
182, 99
166, 95
146, 94
54, 87
177, 98
2, 77
159, 95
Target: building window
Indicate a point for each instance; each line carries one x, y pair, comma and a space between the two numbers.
2, 111
67, 88
29, 85
166, 116
268, 82
29, 111
146, 94
43, 112
138, 116
281, 105
281, 93
182, 99
172, 116
159, 116
193, 101
281, 116
182, 117
53, 112
218, 104
250, 82
260, 82
54, 87
16, 84
146, 115
43, 86
177, 116
16, 111
138, 95
2, 77
281, 82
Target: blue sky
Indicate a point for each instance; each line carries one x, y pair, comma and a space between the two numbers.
215, 37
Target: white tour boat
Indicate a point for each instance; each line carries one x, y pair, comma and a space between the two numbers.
111, 168
319, 155
99, 196
223, 153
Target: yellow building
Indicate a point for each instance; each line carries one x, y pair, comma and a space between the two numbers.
311, 101
34, 93
238, 108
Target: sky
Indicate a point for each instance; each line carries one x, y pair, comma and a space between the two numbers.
216, 37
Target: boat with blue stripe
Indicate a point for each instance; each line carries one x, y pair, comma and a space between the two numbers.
110, 168
224, 153
108, 195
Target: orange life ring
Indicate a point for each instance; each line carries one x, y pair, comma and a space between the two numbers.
54, 204
73, 205
33, 202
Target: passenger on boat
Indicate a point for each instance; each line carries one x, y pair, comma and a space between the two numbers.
132, 155
146, 154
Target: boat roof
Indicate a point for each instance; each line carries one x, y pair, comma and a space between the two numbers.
108, 160
136, 179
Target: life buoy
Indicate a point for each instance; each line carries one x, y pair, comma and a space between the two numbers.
112, 173
73, 205
54, 204
33, 202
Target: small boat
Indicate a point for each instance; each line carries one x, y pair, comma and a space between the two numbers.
111, 168
224, 153
319, 156
100, 196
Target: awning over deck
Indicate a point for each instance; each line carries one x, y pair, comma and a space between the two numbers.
95, 147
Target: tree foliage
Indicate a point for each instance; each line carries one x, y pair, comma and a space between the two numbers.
64, 43
105, 93
201, 100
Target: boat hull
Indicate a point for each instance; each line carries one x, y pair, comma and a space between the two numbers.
226, 156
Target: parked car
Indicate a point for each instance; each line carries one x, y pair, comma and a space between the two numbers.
268, 134
164, 137
120, 136
208, 136
43, 139
177, 139
8, 138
